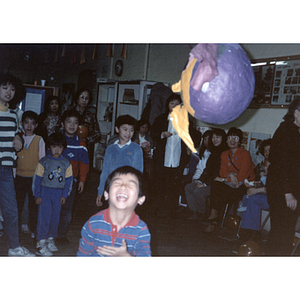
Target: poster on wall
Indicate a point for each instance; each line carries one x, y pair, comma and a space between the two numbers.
286, 86
34, 100
263, 85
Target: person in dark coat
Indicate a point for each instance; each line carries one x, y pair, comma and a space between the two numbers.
169, 159
283, 182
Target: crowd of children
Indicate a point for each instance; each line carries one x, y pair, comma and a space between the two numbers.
50, 164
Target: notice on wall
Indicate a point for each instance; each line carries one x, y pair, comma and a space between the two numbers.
286, 85
33, 102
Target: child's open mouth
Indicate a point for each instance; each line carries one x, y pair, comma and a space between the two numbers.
122, 197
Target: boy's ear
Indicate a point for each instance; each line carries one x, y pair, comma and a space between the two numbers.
62, 124
116, 129
105, 195
141, 200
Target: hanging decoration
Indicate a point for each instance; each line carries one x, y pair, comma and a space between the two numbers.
109, 51
63, 53
82, 58
56, 55
216, 87
94, 55
73, 57
123, 52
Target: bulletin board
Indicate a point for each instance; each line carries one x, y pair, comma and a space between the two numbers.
35, 97
277, 81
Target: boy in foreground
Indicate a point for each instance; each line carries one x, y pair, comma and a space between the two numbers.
117, 230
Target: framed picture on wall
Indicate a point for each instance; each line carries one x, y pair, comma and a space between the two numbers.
263, 84
277, 81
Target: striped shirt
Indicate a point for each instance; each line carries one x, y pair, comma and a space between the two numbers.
99, 231
8, 130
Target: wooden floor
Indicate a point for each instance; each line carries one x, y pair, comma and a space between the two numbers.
169, 236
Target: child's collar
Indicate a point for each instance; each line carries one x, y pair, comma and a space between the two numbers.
134, 220
117, 142
4, 107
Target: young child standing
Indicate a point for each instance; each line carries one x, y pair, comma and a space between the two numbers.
10, 142
52, 184
77, 153
123, 152
28, 158
117, 230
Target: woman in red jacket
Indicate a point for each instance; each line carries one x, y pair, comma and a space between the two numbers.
236, 166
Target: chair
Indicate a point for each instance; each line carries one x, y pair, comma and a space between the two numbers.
229, 207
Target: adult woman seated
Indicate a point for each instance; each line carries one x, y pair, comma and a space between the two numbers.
229, 187
198, 191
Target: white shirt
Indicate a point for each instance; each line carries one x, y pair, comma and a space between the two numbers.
142, 139
121, 146
173, 148
201, 164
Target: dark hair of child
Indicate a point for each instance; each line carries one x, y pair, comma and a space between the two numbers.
77, 94
20, 90
125, 119
70, 113
48, 101
57, 139
29, 114
124, 171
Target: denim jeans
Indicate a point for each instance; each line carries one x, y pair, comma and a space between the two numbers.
66, 212
23, 186
9, 207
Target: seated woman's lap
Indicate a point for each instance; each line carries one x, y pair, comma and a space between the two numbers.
221, 194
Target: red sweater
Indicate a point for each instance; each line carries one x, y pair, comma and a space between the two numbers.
242, 160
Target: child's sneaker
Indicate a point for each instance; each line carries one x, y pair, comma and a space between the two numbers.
20, 251
42, 248
51, 244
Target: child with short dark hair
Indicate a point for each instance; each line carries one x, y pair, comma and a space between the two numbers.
28, 158
10, 142
117, 230
123, 152
77, 153
52, 184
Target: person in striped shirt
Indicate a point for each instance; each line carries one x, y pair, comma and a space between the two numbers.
118, 230
10, 142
